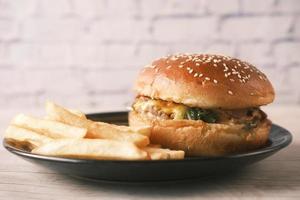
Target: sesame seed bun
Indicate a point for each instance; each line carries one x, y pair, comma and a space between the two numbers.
198, 138
205, 81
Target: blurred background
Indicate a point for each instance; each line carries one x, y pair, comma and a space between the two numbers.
86, 54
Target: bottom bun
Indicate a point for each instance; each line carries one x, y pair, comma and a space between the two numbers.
198, 138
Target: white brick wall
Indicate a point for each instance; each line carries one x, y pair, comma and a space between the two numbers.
86, 54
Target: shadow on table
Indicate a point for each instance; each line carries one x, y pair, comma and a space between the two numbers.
278, 173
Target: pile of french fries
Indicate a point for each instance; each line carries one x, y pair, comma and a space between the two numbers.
68, 133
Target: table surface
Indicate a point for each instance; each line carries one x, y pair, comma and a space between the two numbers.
277, 177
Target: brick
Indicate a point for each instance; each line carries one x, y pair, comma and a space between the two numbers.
54, 8
35, 55
296, 28
118, 30
55, 55
223, 7
278, 78
288, 6
24, 54
257, 53
222, 48
286, 97
184, 29
251, 28
117, 9
110, 102
257, 6
155, 8
77, 100
187, 47
88, 55
13, 104
146, 53
52, 30
285, 83
287, 53
17, 9
9, 30
108, 9
41, 80
120, 56
89, 8
109, 81
294, 81
4, 60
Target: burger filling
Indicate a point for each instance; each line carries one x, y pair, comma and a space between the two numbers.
159, 109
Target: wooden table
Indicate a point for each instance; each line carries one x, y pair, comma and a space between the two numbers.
277, 177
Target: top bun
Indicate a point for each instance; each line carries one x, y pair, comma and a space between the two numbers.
206, 81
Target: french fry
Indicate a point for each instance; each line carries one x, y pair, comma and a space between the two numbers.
24, 135
155, 154
143, 130
106, 131
52, 129
22, 145
95, 129
78, 113
162, 154
92, 149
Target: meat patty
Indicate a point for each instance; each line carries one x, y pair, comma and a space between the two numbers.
160, 109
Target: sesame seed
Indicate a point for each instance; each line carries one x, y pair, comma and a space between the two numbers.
215, 65
215, 81
169, 67
200, 75
207, 78
251, 93
180, 66
188, 68
232, 80
230, 92
191, 71
227, 74
197, 64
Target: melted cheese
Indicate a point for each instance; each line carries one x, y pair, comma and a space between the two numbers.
178, 110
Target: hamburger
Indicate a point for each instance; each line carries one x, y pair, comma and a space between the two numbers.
206, 105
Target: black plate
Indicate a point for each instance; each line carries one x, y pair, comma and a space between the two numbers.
190, 167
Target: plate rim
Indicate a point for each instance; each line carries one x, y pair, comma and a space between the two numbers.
282, 144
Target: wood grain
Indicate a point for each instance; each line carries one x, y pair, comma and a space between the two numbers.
277, 177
